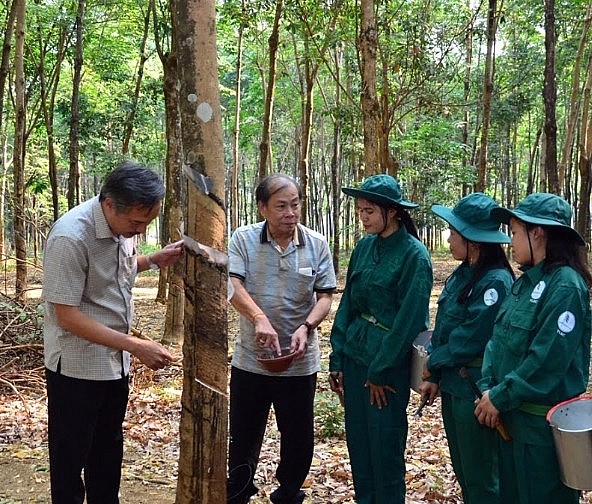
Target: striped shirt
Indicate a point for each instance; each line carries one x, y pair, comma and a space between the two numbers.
86, 266
283, 283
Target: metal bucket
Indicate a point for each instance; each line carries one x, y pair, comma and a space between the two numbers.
419, 357
571, 423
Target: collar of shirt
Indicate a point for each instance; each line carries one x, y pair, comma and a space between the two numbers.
298, 239
102, 228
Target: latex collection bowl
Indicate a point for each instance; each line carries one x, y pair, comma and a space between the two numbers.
275, 363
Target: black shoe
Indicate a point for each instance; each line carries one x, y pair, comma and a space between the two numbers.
279, 496
239, 486
244, 496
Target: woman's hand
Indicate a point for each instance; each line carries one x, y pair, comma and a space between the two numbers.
425, 374
429, 389
336, 384
486, 412
378, 393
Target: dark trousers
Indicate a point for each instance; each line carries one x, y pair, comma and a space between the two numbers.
85, 420
376, 438
251, 396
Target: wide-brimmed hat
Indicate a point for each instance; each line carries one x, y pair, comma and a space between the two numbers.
471, 218
542, 209
382, 189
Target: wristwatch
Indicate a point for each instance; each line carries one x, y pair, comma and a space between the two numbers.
151, 264
309, 326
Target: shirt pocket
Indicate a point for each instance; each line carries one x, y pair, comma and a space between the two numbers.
298, 288
128, 270
520, 329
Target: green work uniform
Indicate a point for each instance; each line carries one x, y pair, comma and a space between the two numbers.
538, 356
383, 308
461, 331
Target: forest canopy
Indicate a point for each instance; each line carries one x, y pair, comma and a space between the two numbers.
465, 95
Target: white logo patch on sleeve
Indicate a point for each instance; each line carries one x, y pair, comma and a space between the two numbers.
490, 297
566, 322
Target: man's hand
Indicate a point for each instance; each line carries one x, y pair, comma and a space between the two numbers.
299, 343
151, 353
265, 335
168, 255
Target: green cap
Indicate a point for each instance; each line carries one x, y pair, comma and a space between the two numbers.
542, 209
382, 189
471, 218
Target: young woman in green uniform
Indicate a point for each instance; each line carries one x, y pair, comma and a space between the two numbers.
539, 354
383, 308
466, 311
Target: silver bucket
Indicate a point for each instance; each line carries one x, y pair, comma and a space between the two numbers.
571, 423
419, 357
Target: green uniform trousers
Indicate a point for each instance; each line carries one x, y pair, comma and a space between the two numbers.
473, 451
529, 474
376, 438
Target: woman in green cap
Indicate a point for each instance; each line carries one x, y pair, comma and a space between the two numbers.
539, 354
383, 308
466, 311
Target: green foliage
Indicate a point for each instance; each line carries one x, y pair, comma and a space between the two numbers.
329, 415
428, 89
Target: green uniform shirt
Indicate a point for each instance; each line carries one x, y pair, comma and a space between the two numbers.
462, 330
540, 349
389, 279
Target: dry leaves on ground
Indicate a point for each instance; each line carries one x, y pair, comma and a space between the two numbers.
151, 432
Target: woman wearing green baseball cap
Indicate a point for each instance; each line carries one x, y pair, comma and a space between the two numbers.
383, 307
467, 309
539, 354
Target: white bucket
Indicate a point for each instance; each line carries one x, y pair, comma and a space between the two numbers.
571, 423
419, 357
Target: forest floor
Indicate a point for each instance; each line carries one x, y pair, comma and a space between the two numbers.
151, 426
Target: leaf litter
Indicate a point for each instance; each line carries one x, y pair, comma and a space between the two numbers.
151, 428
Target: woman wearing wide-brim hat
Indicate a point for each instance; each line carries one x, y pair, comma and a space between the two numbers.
467, 309
384, 306
539, 354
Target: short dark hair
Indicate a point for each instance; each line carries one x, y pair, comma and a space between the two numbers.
272, 184
130, 185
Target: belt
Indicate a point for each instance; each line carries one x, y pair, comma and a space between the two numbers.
373, 321
535, 409
476, 362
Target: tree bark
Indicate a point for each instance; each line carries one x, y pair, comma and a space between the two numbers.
49, 87
574, 102
550, 99
367, 46
175, 199
492, 17
336, 160
129, 120
468, 46
308, 77
4, 69
204, 417
234, 212
265, 164
585, 158
308, 70
74, 174
20, 238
